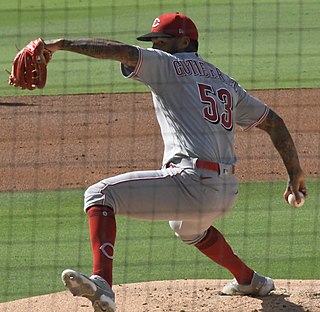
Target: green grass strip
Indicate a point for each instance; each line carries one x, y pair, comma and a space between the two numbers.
43, 233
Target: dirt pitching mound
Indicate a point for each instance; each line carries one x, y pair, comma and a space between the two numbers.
182, 296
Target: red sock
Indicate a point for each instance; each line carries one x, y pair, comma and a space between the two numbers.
217, 249
102, 225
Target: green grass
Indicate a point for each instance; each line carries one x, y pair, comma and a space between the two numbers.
43, 233
268, 44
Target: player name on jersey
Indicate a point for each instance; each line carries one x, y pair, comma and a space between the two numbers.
198, 68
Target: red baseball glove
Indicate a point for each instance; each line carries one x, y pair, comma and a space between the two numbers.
29, 67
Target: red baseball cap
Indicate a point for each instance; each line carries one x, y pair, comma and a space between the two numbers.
171, 25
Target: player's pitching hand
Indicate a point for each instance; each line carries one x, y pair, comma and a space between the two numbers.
296, 191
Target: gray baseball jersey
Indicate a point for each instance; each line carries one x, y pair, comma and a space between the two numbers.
197, 107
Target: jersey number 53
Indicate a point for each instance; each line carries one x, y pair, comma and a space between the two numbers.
209, 96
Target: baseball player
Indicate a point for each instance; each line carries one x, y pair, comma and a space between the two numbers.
197, 107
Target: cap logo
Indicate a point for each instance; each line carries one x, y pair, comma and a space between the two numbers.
181, 31
156, 22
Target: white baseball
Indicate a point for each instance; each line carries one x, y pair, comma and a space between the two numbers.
292, 200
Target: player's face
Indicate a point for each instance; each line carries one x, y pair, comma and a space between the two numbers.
170, 45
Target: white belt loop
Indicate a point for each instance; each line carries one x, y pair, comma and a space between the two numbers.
194, 163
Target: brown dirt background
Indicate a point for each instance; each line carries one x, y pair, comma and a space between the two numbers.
59, 142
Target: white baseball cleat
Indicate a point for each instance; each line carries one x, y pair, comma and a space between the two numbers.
95, 288
259, 286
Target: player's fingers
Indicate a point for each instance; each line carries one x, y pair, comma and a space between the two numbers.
303, 190
288, 191
286, 195
297, 197
298, 191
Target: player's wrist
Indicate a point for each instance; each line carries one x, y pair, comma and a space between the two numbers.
54, 45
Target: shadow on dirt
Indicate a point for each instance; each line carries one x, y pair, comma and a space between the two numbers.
15, 104
278, 302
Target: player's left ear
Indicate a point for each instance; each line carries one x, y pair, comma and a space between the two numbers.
184, 42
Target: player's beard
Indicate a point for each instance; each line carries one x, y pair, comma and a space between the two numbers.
170, 47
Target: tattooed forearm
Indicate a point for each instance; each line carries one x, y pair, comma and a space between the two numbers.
282, 141
102, 48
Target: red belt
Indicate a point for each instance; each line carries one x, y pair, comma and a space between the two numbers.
203, 164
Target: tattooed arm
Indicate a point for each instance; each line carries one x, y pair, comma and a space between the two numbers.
98, 48
282, 141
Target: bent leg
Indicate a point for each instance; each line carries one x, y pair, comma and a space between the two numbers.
215, 247
167, 194
120, 193
211, 243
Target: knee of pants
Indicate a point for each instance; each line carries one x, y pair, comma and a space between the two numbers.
94, 196
187, 233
